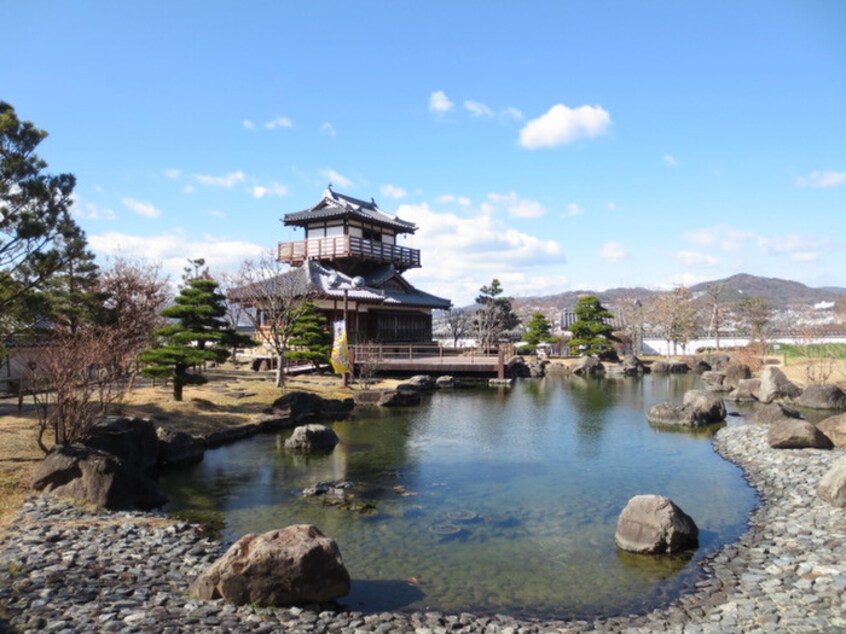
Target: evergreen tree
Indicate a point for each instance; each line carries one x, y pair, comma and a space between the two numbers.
495, 316
199, 334
592, 331
310, 338
538, 330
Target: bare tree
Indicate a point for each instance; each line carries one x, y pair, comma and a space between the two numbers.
274, 297
459, 323
755, 314
716, 309
673, 317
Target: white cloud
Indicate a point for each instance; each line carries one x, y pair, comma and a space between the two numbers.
825, 179
721, 236
694, 259
446, 199
612, 206
188, 189
217, 213
510, 113
439, 102
173, 173
791, 243
562, 125
279, 122
670, 160
249, 125
462, 253
478, 109
146, 209
573, 210
336, 178
392, 191
806, 256
227, 180
515, 206
328, 129
173, 249
272, 189
612, 252
90, 211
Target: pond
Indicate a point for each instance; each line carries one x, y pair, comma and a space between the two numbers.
489, 500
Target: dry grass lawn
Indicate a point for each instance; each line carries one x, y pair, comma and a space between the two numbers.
231, 397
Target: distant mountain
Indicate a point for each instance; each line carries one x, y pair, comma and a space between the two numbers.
781, 294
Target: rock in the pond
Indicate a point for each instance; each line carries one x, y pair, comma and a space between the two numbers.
794, 433
673, 414
652, 524
775, 386
707, 406
445, 382
735, 373
418, 383
291, 566
95, 477
133, 440
832, 486
312, 438
745, 392
714, 381
774, 413
822, 396
588, 366
835, 428
302, 406
387, 398
632, 366
179, 448
333, 488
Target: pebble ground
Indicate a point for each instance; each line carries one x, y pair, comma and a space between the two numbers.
67, 569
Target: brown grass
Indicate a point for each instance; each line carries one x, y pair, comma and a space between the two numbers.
230, 398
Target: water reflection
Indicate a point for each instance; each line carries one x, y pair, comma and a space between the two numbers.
491, 499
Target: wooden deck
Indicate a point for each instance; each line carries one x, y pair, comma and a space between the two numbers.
427, 359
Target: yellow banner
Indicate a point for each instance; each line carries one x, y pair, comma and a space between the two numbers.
340, 358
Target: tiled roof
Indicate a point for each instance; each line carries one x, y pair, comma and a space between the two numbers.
335, 205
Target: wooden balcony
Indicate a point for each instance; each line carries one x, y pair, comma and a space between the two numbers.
295, 253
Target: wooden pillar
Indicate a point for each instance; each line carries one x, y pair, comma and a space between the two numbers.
500, 364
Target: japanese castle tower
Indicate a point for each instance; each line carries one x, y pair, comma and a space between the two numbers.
350, 256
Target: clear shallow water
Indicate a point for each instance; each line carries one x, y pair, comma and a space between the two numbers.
490, 500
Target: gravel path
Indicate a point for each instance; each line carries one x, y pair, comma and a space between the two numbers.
67, 569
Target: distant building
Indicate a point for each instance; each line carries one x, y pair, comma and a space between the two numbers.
350, 256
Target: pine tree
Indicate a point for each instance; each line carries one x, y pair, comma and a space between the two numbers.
310, 338
538, 330
495, 316
199, 334
592, 330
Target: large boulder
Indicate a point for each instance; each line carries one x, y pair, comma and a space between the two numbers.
292, 566
588, 366
418, 383
775, 386
734, 373
632, 366
835, 428
745, 392
96, 477
774, 413
446, 382
714, 381
708, 406
652, 524
717, 361
673, 414
822, 396
302, 406
312, 438
832, 486
670, 367
517, 368
179, 448
387, 398
133, 440
794, 433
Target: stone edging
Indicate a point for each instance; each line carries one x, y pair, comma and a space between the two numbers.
70, 569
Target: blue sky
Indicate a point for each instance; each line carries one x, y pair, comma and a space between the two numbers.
554, 145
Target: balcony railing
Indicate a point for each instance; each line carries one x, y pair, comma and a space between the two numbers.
348, 247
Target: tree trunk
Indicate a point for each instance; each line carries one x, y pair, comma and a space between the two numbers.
177, 388
280, 374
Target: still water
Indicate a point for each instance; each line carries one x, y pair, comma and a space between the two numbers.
489, 500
